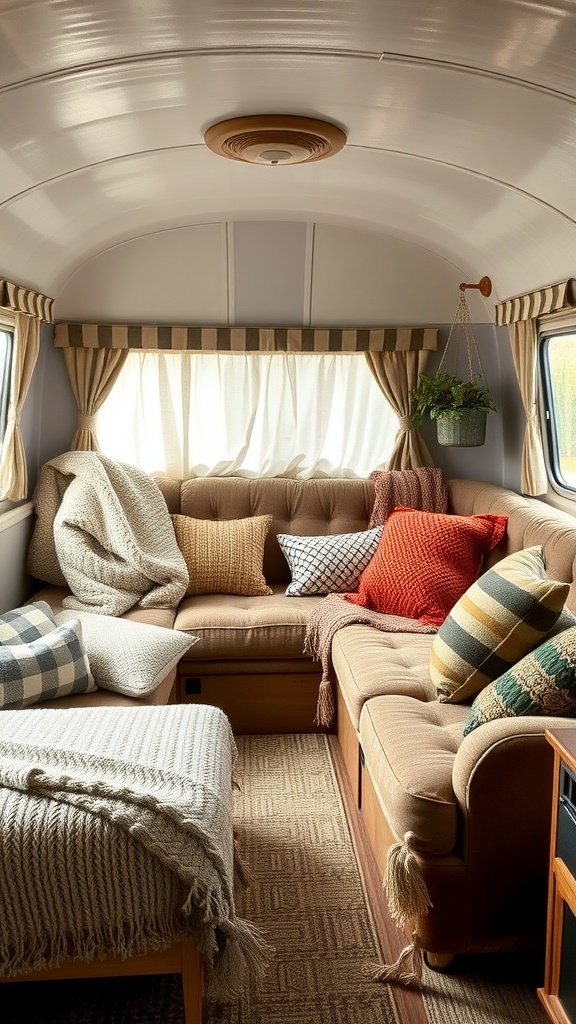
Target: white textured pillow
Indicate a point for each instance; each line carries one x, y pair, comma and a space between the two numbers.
52, 665
129, 657
329, 564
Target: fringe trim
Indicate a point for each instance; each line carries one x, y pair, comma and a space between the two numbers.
406, 890
411, 955
244, 952
325, 708
408, 899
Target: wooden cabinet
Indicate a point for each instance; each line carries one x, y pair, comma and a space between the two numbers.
558, 995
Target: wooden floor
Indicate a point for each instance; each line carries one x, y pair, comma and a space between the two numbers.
408, 1000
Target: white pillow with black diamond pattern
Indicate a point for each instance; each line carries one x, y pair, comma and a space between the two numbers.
52, 665
330, 564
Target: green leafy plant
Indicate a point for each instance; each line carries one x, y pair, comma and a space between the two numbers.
447, 397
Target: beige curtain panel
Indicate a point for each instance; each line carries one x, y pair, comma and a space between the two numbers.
13, 469
245, 339
521, 315
92, 373
396, 374
524, 344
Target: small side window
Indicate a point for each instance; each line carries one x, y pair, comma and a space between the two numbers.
558, 377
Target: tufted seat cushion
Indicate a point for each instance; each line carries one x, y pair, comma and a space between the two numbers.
231, 627
409, 748
369, 664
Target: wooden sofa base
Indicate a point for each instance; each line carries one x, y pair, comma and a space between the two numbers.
181, 958
349, 746
259, 703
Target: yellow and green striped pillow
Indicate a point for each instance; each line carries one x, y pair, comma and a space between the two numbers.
501, 617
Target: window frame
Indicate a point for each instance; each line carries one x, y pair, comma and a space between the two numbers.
550, 328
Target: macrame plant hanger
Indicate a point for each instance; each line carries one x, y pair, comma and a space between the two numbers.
461, 331
468, 431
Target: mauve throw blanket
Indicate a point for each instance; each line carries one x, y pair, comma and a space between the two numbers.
422, 489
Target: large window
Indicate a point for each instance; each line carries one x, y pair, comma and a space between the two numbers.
558, 375
278, 414
6, 341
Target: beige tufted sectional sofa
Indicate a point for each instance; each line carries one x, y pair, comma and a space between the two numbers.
477, 808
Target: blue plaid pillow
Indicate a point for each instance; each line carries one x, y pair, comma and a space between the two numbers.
21, 625
53, 665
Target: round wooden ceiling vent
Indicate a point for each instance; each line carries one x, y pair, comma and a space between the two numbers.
272, 140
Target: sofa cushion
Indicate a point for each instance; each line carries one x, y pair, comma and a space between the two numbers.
223, 557
21, 625
51, 665
330, 564
311, 507
425, 561
369, 664
56, 596
129, 657
501, 617
232, 627
409, 748
542, 683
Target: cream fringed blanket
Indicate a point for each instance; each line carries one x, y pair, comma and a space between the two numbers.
116, 837
103, 529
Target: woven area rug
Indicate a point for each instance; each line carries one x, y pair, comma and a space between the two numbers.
309, 896
486, 990
307, 892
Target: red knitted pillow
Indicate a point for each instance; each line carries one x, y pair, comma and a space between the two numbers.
425, 561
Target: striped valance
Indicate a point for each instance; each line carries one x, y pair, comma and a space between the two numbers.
535, 304
246, 339
23, 300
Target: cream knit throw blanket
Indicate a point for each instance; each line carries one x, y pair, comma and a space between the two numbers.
103, 529
116, 836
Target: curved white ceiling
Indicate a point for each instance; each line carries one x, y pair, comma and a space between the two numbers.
460, 115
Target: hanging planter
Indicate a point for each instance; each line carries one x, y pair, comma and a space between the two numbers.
469, 431
459, 404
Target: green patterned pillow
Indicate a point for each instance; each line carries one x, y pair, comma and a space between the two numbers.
502, 616
542, 683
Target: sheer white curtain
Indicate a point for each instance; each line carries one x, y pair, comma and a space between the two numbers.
278, 414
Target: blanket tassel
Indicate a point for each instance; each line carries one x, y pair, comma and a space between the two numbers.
408, 898
325, 709
411, 955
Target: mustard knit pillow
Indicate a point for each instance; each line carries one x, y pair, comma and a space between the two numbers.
224, 557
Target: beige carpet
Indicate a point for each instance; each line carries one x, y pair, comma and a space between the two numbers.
486, 990
308, 893
310, 898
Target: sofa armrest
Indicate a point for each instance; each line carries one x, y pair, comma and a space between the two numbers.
485, 743
502, 777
